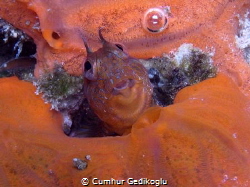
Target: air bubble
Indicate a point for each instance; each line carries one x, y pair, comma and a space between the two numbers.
155, 20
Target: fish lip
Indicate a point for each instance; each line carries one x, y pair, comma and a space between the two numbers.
90, 76
122, 85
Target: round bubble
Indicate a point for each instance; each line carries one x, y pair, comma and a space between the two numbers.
155, 20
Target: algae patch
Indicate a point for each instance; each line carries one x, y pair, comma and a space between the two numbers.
186, 66
63, 91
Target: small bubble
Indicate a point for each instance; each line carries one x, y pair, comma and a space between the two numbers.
235, 135
50, 171
88, 157
27, 22
155, 20
225, 178
235, 178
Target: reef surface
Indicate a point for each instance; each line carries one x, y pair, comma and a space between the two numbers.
202, 139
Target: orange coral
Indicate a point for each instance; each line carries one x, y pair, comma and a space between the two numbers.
205, 24
201, 140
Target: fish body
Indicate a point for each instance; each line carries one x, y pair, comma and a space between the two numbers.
117, 86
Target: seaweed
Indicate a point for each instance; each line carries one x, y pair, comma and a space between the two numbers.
62, 90
170, 73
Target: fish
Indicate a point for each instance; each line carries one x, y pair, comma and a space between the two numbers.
200, 140
17, 66
116, 85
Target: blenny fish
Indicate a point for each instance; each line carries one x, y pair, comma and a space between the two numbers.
116, 85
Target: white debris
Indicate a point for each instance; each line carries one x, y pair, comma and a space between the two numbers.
11, 32
242, 39
185, 51
88, 157
234, 135
19, 47
80, 164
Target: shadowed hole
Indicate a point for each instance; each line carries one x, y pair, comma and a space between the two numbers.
55, 35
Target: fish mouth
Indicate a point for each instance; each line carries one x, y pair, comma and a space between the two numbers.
122, 85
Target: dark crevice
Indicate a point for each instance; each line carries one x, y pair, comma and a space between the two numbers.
16, 52
85, 123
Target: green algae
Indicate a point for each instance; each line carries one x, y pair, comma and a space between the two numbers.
62, 90
170, 73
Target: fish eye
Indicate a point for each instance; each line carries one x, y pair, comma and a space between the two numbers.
87, 66
155, 20
119, 46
